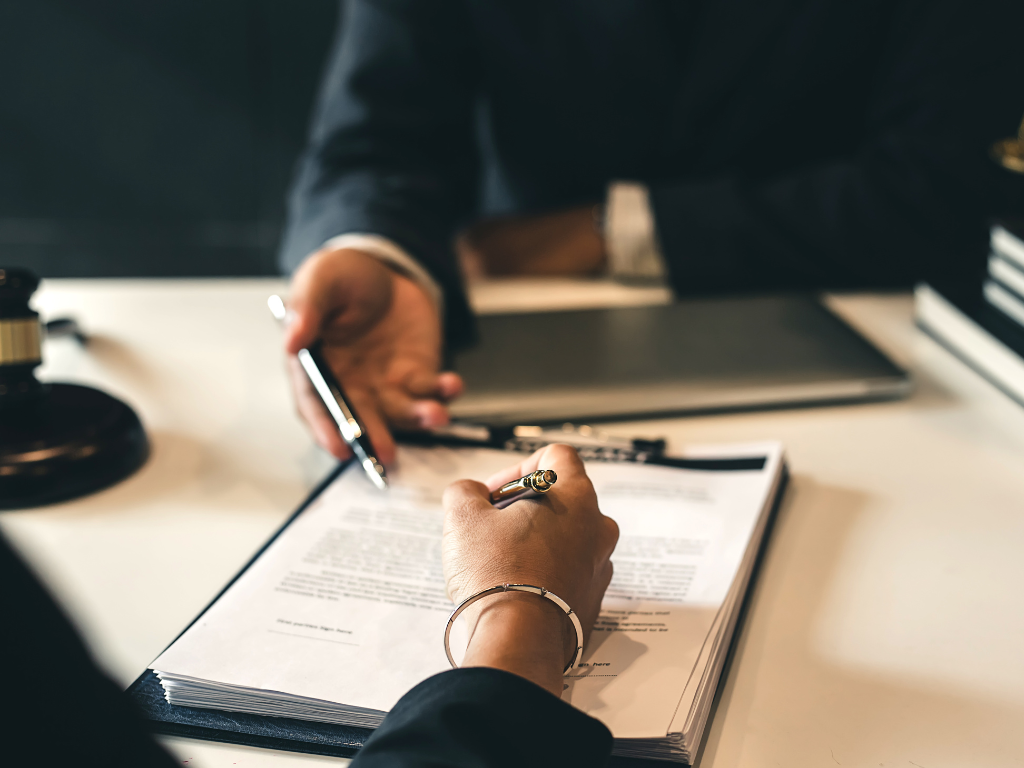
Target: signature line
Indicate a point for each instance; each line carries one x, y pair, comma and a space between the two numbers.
307, 637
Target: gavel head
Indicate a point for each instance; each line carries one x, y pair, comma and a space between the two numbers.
20, 338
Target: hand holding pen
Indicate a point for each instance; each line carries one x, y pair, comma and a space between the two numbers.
354, 433
336, 402
381, 336
562, 544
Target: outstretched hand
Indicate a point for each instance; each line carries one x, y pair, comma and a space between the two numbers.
381, 335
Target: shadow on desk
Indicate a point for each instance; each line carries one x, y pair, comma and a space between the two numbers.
777, 670
192, 474
115, 356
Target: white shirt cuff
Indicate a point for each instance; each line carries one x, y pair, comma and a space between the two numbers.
631, 240
395, 257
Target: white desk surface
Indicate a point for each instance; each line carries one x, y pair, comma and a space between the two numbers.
887, 626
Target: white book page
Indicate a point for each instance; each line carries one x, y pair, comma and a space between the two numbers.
348, 604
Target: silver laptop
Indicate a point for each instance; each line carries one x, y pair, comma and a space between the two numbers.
687, 357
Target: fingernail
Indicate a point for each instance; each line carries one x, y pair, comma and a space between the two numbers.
426, 415
434, 420
290, 317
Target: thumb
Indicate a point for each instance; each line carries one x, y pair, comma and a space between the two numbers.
302, 326
348, 289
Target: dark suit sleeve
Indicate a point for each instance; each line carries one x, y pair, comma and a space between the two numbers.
484, 718
60, 709
392, 148
909, 203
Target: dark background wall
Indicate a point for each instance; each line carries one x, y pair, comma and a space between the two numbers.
152, 137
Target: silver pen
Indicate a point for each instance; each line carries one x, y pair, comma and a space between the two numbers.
333, 397
532, 485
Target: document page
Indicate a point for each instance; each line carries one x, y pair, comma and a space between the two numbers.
348, 604
682, 537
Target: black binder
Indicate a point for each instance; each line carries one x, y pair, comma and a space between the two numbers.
319, 738
238, 727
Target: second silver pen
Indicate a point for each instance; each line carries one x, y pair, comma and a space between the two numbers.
337, 405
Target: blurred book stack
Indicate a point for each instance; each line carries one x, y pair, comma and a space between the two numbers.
1004, 288
984, 328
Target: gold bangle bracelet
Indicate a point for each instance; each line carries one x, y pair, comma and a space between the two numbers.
540, 591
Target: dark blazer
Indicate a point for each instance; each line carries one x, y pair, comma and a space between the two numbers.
59, 709
793, 144
484, 718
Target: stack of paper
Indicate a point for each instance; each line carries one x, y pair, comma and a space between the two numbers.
345, 611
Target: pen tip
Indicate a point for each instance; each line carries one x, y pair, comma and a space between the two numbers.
376, 472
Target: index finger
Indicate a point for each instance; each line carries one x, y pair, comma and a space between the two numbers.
559, 457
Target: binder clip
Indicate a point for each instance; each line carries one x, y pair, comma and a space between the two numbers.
57, 441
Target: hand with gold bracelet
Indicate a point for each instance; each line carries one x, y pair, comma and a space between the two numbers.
560, 542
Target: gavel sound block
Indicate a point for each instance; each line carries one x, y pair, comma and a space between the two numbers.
57, 441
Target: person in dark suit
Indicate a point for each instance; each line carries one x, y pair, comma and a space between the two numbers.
502, 708
768, 144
